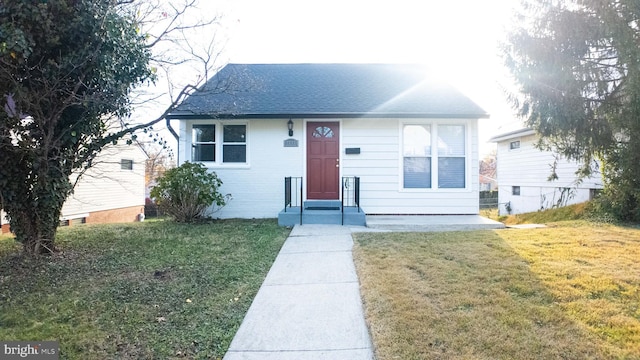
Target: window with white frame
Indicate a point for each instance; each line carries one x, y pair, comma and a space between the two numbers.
451, 157
219, 143
417, 156
442, 165
126, 164
203, 143
234, 144
514, 145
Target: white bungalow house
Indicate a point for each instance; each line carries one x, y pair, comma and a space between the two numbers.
303, 138
523, 176
111, 191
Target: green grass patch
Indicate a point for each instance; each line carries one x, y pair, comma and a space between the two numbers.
145, 290
566, 213
566, 292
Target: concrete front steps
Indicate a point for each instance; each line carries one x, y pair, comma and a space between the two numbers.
322, 212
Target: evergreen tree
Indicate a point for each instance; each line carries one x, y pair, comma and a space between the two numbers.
576, 64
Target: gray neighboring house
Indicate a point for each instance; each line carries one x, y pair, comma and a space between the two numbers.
303, 138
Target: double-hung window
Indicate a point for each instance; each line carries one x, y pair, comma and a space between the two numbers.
234, 144
219, 143
451, 157
434, 156
417, 156
203, 143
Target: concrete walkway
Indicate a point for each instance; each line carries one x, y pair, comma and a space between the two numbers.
431, 223
309, 306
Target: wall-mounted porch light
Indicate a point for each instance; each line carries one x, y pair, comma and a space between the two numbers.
290, 127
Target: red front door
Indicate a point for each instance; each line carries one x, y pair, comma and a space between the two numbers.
323, 156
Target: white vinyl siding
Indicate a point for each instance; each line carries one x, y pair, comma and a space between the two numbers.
380, 166
257, 187
107, 185
528, 168
3, 218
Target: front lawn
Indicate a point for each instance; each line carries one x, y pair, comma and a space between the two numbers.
145, 290
570, 291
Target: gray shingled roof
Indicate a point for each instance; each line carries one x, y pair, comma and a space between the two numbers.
325, 90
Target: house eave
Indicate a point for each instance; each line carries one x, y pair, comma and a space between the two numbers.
327, 115
512, 135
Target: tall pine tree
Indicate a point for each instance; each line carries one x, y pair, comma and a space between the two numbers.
576, 64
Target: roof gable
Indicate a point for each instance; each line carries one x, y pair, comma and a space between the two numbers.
325, 90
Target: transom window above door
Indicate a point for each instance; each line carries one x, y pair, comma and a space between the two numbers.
322, 131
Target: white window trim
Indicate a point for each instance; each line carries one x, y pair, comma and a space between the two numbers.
129, 161
513, 188
218, 164
519, 140
435, 156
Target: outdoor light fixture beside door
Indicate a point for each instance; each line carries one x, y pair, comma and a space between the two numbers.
290, 126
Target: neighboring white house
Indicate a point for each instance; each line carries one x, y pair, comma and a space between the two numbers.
411, 140
4, 223
523, 176
112, 190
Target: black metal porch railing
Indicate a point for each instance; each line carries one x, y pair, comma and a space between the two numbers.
350, 193
294, 201
293, 198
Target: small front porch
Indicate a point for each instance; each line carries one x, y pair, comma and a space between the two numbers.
322, 212
346, 211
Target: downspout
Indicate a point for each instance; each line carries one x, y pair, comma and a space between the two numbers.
175, 135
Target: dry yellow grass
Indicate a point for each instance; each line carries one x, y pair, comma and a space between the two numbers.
566, 292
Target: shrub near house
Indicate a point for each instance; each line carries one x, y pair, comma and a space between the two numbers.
189, 193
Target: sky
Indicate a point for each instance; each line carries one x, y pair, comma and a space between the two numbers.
457, 38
